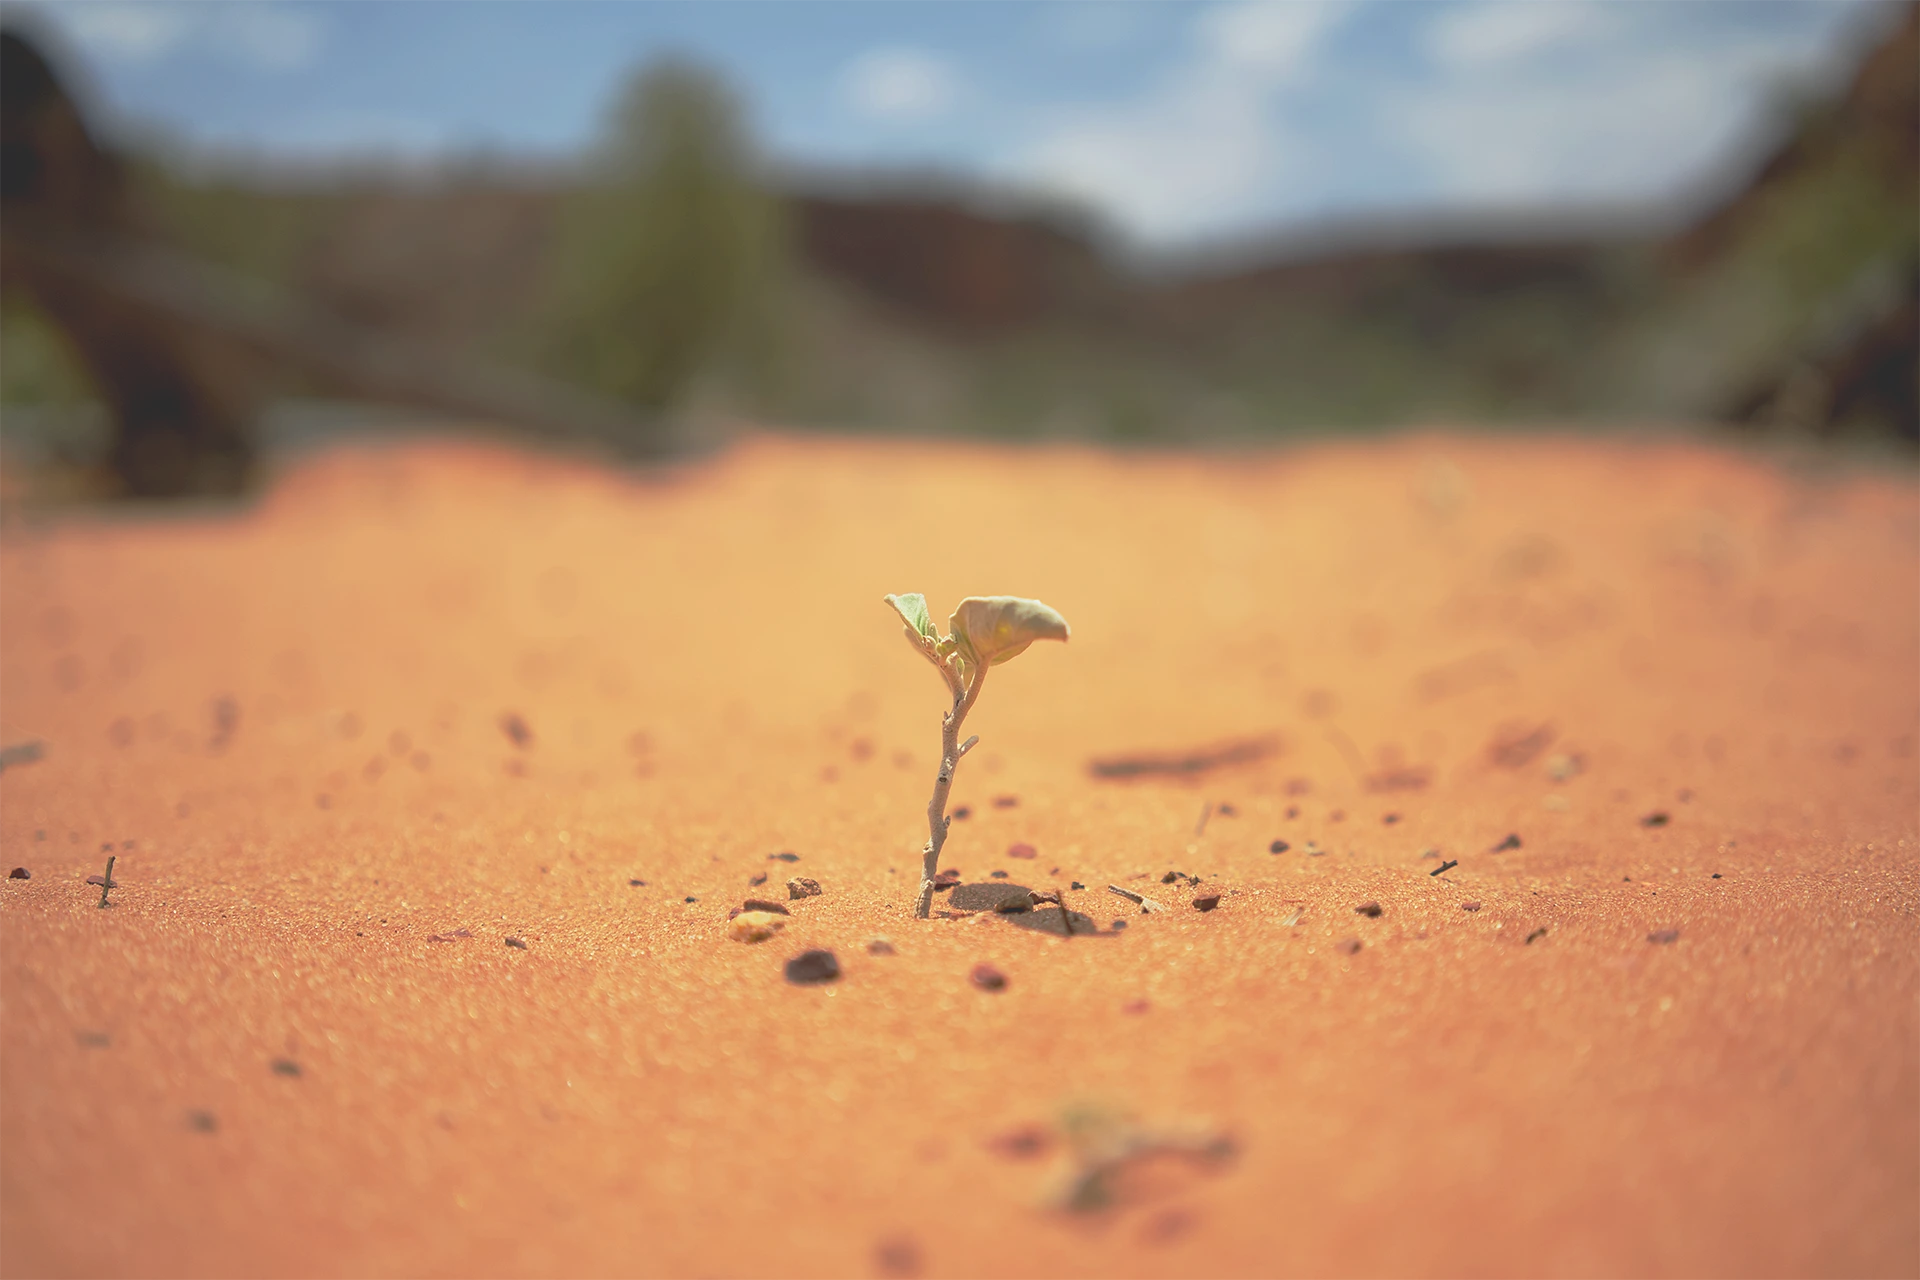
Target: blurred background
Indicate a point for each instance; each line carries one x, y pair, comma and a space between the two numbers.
232, 228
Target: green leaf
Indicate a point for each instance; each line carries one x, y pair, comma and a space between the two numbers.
992, 629
912, 609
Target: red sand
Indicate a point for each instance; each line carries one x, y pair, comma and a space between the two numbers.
635, 1093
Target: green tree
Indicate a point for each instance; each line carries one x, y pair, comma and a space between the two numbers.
665, 255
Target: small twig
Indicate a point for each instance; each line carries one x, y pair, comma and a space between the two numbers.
1142, 901
1206, 811
1445, 866
106, 881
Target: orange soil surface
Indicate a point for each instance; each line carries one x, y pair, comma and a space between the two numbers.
288, 725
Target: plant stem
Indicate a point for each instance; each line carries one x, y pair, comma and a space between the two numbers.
937, 819
106, 881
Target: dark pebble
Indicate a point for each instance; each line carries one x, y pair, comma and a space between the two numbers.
1293, 811
202, 1121
754, 882
1170, 877
286, 1067
800, 887
1077, 885
1206, 902
1511, 842
1348, 947
102, 881
1389, 818
691, 898
810, 967
515, 727
1005, 802
1119, 924
1716, 875
988, 978
1023, 1143
1469, 906
997, 875
784, 856
1020, 851
1369, 909
765, 904
1664, 937
637, 884
1226, 810
19, 873
963, 813
1656, 819
517, 943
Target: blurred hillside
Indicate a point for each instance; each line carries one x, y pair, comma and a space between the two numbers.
676, 280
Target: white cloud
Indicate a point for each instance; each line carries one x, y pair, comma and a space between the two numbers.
1095, 27
1195, 152
1275, 37
1558, 104
262, 34
900, 84
1476, 36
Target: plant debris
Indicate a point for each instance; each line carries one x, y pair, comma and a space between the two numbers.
755, 926
765, 904
1511, 842
1448, 865
1516, 748
946, 879
106, 882
1371, 910
517, 944
810, 968
1536, 935
1104, 1148
988, 978
1145, 904
1196, 760
1664, 937
21, 753
802, 887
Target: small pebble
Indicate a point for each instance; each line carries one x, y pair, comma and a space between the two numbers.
1369, 909
1005, 802
811, 967
1511, 842
755, 926
962, 813
880, 947
988, 978
785, 856
754, 882
1078, 885
1655, 819
946, 880
1170, 877
1278, 846
765, 904
517, 944
1293, 811
997, 875
202, 1121
19, 873
637, 884
1119, 924
1206, 902
1389, 818
1469, 906
1348, 947
1664, 937
690, 898
286, 1067
802, 887
1020, 851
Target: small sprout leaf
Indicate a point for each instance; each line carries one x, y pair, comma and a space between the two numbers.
992, 629
912, 609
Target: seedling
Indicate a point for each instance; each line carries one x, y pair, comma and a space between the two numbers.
105, 882
985, 632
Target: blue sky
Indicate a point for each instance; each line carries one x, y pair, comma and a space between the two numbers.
1177, 122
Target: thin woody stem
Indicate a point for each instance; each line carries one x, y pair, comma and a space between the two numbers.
937, 819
